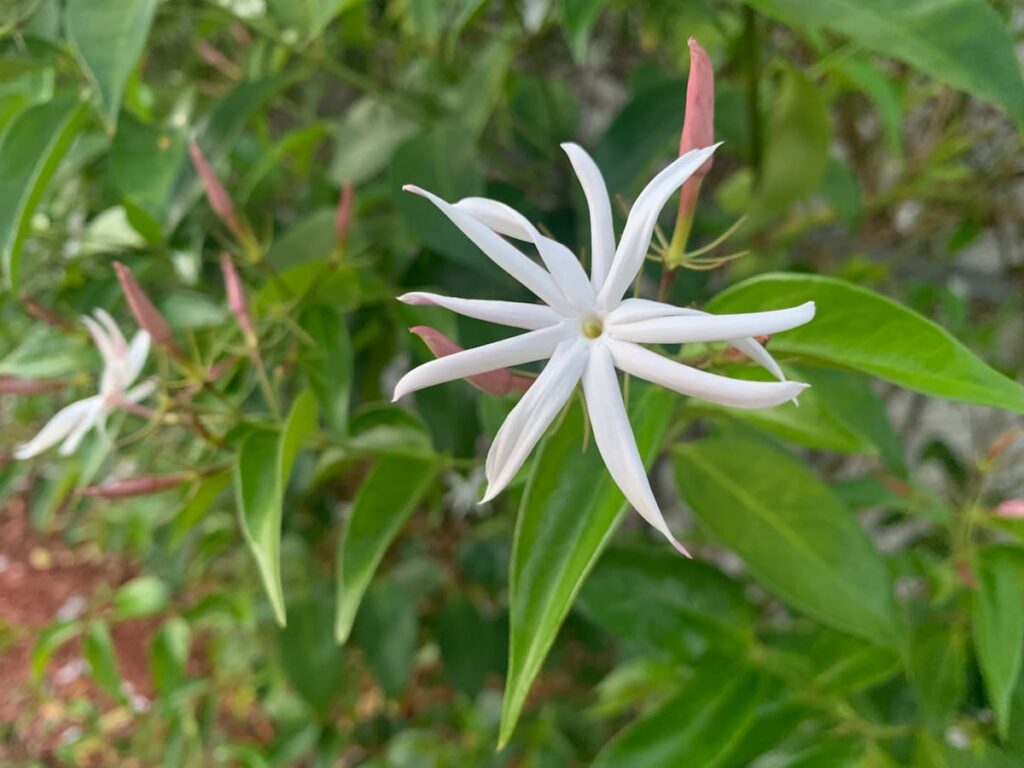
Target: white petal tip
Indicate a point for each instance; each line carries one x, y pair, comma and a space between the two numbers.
680, 548
415, 299
414, 189
488, 496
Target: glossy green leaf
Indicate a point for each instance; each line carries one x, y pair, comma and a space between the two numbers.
796, 537
144, 163
385, 500
262, 468
108, 38
140, 597
327, 363
568, 513
30, 151
938, 663
963, 43
102, 657
796, 152
888, 340
696, 728
997, 618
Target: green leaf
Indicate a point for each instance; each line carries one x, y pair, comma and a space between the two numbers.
313, 663
796, 154
688, 606
795, 536
102, 658
385, 500
471, 644
696, 728
327, 363
168, 654
578, 18
366, 139
308, 17
48, 642
387, 631
569, 511
30, 151
859, 329
143, 165
963, 43
998, 620
108, 39
938, 663
140, 597
262, 468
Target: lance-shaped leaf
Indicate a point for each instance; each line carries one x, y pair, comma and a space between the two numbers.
31, 148
108, 38
888, 340
796, 537
262, 468
569, 511
384, 502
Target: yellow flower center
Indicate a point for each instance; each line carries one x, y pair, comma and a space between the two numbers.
592, 327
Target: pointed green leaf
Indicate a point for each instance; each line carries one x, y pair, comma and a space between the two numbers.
386, 499
860, 329
796, 537
102, 658
569, 511
32, 147
327, 363
108, 38
262, 468
48, 641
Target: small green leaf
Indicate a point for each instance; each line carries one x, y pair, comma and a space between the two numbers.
30, 150
387, 632
998, 622
262, 468
140, 597
569, 511
471, 644
859, 329
108, 38
795, 536
938, 663
697, 727
48, 642
384, 502
327, 363
366, 140
313, 663
168, 654
578, 18
102, 658
308, 17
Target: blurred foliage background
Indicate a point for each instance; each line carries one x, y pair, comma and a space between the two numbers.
857, 597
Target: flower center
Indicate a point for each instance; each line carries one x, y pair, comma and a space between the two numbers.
592, 327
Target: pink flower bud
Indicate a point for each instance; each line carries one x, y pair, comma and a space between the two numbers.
236, 297
12, 385
39, 312
498, 382
1011, 508
699, 121
146, 315
217, 196
344, 217
136, 486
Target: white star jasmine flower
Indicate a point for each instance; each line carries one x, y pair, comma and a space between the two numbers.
587, 330
122, 364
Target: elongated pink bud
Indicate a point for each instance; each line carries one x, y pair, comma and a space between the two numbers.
344, 218
218, 197
498, 382
236, 297
12, 385
699, 121
1011, 508
146, 315
39, 312
136, 486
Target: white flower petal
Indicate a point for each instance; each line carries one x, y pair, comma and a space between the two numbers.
529, 420
116, 337
636, 236
602, 232
140, 391
57, 428
500, 251
103, 342
564, 267
137, 354
652, 367
89, 419
515, 314
677, 328
615, 441
525, 348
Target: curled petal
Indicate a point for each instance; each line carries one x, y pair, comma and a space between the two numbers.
563, 266
737, 393
529, 420
498, 382
525, 348
615, 441
636, 236
676, 328
101, 340
511, 313
89, 419
500, 251
57, 428
117, 339
138, 351
602, 231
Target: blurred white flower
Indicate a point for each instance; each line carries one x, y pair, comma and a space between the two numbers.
588, 330
122, 364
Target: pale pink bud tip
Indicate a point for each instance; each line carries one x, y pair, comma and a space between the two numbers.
344, 217
136, 486
236, 296
1011, 508
498, 382
217, 196
699, 121
146, 315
